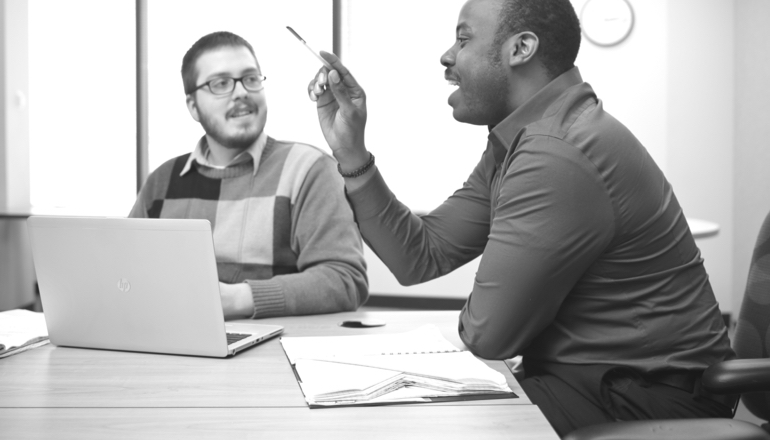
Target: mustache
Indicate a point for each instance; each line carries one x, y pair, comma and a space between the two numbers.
242, 106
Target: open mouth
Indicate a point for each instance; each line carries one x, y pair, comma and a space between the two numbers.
241, 112
451, 79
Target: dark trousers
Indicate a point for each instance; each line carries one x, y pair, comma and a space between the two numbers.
573, 396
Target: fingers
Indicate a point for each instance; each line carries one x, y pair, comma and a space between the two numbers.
343, 71
318, 85
346, 77
344, 86
325, 81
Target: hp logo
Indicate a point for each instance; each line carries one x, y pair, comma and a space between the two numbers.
124, 285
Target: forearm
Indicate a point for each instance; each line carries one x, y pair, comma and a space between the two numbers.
420, 248
516, 295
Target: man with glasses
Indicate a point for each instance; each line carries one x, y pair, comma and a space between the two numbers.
284, 236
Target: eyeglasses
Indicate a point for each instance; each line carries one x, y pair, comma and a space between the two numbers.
224, 85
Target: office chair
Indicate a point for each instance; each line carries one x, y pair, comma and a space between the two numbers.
749, 375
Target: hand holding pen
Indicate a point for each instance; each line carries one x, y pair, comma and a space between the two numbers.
341, 106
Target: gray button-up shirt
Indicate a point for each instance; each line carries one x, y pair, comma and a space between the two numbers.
586, 254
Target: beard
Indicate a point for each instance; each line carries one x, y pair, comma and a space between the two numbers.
484, 104
484, 96
239, 141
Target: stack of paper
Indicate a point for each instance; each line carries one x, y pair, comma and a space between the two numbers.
21, 330
417, 366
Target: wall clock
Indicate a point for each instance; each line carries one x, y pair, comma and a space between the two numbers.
606, 22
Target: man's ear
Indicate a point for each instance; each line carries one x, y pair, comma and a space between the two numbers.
520, 48
192, 107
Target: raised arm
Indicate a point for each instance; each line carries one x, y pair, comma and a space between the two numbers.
341, 105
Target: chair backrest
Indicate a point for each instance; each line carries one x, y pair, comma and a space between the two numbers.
752, 334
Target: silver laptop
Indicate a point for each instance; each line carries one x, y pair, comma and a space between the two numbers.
147, 285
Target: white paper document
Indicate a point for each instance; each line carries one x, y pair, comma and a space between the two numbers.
21, 330
416, 366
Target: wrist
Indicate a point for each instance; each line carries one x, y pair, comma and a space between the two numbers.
237, 301
245, 300
352, 160
357, 172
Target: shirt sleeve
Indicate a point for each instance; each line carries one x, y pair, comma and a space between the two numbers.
553, 218
416, 248
332, 270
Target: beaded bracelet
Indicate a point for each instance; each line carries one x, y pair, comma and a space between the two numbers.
360, 171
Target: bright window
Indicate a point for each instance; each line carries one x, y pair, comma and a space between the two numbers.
82, 105
393, 49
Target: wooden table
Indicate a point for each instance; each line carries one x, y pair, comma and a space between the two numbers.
55, 392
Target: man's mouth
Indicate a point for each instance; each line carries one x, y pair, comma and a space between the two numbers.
451, 79
241, 112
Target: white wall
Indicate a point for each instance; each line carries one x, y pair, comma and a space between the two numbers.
751, 162
701, 127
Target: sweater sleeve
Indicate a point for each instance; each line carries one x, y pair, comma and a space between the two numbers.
139, 210
144, 199
332, 270
149, 201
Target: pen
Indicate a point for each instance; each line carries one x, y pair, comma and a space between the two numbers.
326, 63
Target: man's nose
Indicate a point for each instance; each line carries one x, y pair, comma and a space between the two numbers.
448, 59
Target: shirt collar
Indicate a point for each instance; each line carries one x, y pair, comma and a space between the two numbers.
502, 135
201, 153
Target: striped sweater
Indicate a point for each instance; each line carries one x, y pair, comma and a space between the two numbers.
286, 229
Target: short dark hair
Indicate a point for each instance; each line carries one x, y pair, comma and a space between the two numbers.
206, 43
555, 24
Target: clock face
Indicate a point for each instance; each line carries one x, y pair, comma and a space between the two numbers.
606, 22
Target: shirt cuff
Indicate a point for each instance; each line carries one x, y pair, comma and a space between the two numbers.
268, 296
370, 199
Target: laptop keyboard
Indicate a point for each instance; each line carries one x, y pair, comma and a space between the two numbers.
235, 337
